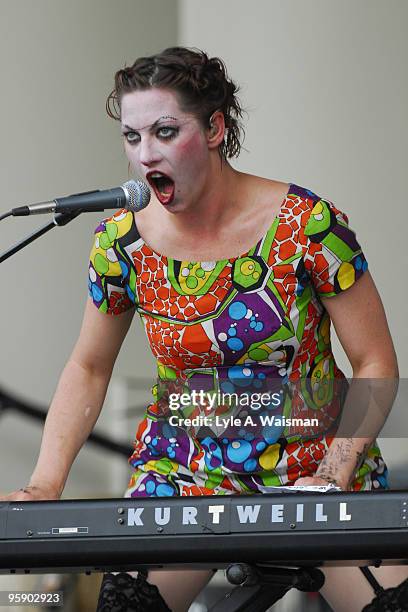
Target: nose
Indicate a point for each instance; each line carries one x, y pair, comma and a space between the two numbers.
148, 152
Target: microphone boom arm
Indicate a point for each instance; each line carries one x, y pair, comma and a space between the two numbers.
59, 220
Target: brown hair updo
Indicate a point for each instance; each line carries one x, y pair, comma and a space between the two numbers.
201, 83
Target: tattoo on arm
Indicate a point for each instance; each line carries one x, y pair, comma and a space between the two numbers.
342, 454
362, 455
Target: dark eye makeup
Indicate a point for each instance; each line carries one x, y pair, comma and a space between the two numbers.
165, 132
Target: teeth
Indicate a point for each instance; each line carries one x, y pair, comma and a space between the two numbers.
156, 175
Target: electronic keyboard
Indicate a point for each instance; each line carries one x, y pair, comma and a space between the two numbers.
291, 529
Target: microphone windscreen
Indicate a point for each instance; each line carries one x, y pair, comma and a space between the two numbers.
139, 194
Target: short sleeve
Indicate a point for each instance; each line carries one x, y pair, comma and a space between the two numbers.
332, 255
112, 277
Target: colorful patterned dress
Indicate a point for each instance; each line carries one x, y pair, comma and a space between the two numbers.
233, 326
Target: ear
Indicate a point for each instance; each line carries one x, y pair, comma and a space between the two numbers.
216, 130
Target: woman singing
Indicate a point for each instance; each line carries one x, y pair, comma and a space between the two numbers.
237, 279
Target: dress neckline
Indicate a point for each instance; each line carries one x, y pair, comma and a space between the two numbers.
230, 259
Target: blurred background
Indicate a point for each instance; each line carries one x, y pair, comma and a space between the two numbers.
326, 89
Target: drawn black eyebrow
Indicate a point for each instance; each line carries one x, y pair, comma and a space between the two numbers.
153, 124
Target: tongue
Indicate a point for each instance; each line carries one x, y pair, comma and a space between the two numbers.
166, 187
164, 190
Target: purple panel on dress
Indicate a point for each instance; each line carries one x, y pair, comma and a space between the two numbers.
248, 319
347, 235
303, 193
101, 227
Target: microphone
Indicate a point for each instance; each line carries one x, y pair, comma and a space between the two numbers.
132, 195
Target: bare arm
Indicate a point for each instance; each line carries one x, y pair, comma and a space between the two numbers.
77, 401
361, 325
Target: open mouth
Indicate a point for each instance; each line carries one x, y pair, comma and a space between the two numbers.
163, 186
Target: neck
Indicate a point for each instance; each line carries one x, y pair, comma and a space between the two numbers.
218, 197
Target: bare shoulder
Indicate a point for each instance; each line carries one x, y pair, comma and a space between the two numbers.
266, 191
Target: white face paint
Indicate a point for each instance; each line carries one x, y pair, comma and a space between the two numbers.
161, 139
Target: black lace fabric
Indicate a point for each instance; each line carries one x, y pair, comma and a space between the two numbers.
391, 600
123, 593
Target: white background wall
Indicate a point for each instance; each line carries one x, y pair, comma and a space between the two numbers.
325, 85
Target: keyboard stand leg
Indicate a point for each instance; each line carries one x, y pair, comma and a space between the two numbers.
260, 587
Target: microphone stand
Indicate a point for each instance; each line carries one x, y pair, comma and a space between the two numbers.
59, 220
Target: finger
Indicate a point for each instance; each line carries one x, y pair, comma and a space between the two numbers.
306, 480
17, 496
